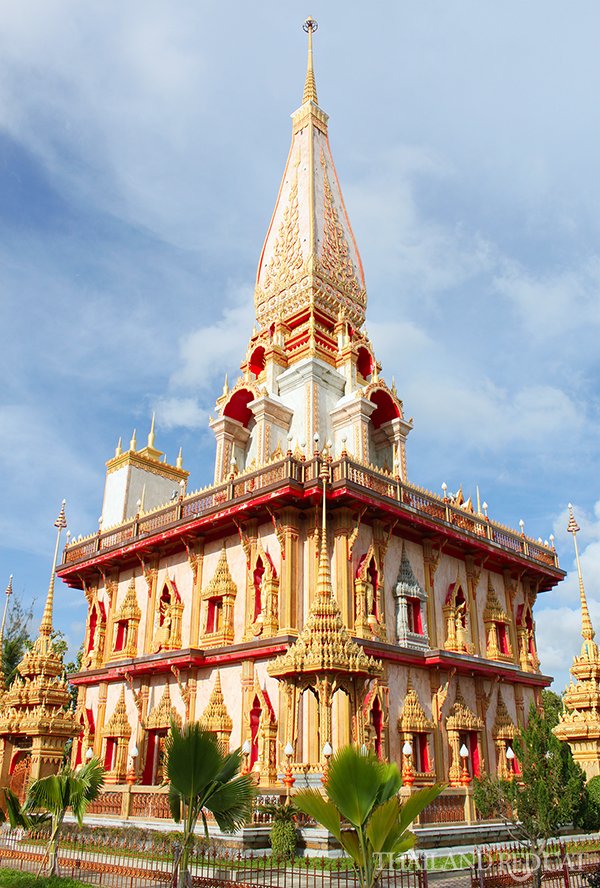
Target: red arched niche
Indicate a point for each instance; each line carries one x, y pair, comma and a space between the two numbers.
385, 408
257, 361
237, 406
364, 362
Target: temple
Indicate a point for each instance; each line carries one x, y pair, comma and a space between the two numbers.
310, 595
580, 721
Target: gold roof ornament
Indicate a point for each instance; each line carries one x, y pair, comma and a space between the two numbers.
130, 609
412, 719
163, 714
324, 645
310, 86
504, 727
118, 724
460, 717
222, 583
215, 717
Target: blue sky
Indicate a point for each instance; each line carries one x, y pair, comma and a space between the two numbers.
141, 148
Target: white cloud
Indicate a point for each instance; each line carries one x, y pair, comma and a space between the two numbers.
174, 413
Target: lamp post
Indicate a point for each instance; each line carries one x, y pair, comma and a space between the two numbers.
327, 752
465, 777
510, 758
246, 750
288, 777
408, 774
89, 754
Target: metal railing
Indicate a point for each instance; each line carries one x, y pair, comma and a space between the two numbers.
562, 865
304, 473
138, 864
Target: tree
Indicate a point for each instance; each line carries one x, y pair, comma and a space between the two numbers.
16, 637
548, 793
204, 779
48, 800
283, 836
553, 707
363, 791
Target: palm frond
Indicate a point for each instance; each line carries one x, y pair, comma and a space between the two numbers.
354, 783
383, 822
193, 759
231, 803
311, 802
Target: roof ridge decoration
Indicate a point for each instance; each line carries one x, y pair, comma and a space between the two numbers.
589, 649
324, 645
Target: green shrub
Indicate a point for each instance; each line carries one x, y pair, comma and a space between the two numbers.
283, 829
283, 839
16, 879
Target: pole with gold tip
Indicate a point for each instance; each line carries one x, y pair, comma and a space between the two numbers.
587, 630
310, 86
8, 594
46, 624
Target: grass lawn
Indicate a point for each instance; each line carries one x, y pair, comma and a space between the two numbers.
15, 879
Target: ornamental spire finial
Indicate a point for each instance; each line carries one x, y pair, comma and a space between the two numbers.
151, 434
46, 624
310, 86
324, 589
587, 630
8, 594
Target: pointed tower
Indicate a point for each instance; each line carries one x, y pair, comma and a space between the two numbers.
310, 368
580, 721
37, 718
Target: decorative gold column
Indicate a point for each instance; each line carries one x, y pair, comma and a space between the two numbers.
151, 577
102, 694
473, 570
511, 585
290, 571
431, 559
196, 563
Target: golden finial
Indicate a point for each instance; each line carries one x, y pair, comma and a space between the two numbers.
226, 385
133, 442
310, 86
8, 594
46, 624
119, 447
179, 463
151, 433
587, 630
324, 589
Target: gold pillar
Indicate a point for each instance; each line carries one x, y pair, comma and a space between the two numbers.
473, 570
151, 577
101, 718
431, 559
196, 562
510, 590
290, 571
343, 527
438, 744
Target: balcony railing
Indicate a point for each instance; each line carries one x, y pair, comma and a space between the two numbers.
304, 474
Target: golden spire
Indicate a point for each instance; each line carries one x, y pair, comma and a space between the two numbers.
324, 589
8, 594
310, 86
587, 630
119, 448
179, 463
46, 624
151, 433
133, 442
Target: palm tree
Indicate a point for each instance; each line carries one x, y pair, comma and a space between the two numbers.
204, 779
362, 791
48, 799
